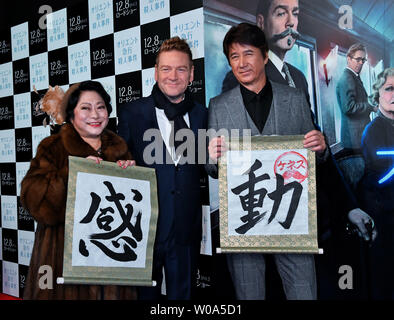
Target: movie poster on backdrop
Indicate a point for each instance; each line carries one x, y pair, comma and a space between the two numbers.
110, 227
318, 58
267, 194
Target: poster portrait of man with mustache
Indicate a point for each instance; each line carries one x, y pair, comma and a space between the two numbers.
279, 21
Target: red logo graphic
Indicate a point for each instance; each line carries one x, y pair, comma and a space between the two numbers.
292, 166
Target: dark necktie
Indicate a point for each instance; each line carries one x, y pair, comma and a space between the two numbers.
288, 77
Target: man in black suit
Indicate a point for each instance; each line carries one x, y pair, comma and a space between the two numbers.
353, 99
170, 112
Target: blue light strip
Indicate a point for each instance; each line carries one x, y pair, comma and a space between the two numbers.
391, 173
385, 153
386, 177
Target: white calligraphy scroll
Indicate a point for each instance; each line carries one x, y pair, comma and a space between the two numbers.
294, 160
110, 225
93, 183
267, 195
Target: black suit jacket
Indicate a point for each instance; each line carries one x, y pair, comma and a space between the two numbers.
298, 77
179, 192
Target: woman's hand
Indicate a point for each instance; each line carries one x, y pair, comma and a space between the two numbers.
95, 159
125, 163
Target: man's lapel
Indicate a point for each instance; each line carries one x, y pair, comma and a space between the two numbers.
150, 119
280, 109
281, 96
359, 85
238, 114
150, 115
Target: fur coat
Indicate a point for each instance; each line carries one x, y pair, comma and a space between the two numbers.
44, 195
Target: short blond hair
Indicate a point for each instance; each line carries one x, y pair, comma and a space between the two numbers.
175, 43
380, 81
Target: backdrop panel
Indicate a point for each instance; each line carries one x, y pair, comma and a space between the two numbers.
111, 41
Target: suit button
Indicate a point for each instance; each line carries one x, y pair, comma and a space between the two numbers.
177, 169
173, 192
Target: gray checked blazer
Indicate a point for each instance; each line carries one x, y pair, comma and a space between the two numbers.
289, 114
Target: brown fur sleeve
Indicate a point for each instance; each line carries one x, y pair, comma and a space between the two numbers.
44, 188
115, 148
126, 156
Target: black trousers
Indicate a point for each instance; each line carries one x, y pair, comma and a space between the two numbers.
180, 267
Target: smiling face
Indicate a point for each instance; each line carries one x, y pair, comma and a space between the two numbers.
90, 115
386, 98
282, 14
248, 65
173, 73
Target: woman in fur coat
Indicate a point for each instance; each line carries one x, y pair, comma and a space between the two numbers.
86, 108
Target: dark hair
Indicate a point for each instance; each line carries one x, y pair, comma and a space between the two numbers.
245, 33
263, 8
175, 43
75, 91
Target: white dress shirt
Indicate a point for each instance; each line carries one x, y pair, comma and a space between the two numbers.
165, 131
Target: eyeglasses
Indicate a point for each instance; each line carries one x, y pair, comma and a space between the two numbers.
363, 60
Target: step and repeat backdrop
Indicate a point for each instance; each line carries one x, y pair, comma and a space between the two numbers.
111, 41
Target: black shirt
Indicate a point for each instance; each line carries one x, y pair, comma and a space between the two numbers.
258, 105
